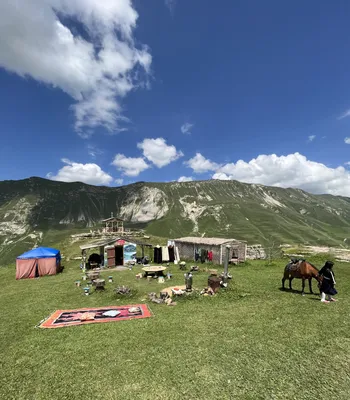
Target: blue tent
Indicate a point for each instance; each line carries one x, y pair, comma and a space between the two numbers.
40, 252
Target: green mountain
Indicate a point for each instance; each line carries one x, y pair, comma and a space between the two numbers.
32, 209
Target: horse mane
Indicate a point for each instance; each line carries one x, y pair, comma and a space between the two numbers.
312, 265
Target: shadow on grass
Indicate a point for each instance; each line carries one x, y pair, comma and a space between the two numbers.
295, 291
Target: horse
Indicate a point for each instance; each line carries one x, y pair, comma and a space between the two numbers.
302, 269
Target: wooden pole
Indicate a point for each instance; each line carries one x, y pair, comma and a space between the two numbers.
83, 255
227, 255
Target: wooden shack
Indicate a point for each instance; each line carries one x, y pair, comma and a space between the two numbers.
188, 246
115, 251
113, 225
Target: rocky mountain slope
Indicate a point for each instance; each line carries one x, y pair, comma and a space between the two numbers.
32, 208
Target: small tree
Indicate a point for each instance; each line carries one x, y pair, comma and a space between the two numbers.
272, 251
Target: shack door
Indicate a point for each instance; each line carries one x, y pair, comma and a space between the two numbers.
119, 255
111, 257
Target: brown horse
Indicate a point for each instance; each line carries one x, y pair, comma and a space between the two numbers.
301, 270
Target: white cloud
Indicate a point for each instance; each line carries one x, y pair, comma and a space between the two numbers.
311, 138
96, 70
346, 114
186, 127
170, 4
94, 151
130, 166
185, 179
293, 170
76, 172
119, 181
347, 140
200, 164
347, 163
158, 152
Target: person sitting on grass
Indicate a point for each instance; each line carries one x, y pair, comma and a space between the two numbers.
328, 282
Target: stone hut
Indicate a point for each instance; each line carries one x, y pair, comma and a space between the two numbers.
187, 247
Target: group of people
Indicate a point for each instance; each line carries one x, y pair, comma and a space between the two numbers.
327, 283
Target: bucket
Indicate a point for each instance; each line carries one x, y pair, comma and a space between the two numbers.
77, 283
110, 279
87, 291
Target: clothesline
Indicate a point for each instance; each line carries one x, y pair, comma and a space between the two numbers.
164, 254
203, 255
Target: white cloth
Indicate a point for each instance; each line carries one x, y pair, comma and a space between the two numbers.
334, 282
111, 313
165, 254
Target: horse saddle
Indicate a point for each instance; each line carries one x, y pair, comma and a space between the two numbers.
293, 265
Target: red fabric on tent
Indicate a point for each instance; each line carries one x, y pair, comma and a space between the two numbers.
47, 266
25, 268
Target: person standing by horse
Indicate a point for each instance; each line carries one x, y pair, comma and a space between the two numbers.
327, 283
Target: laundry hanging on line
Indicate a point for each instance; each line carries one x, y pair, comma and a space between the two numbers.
171, 251
158, 255
165, 254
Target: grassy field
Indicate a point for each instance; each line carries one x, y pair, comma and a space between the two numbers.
251, 342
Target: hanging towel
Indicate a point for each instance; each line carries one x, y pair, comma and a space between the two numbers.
165, 254
171, 253
158, 255
196, 255
177, 258
203, 255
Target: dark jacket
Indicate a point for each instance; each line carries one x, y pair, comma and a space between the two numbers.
328, 280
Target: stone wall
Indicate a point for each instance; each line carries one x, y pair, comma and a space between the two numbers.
256, 252
187, 250
238, 250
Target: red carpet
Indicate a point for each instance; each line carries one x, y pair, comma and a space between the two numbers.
84, 316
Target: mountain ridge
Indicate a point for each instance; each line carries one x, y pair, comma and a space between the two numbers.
31, 208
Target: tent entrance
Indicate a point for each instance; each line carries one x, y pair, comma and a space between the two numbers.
37, 270
119, 255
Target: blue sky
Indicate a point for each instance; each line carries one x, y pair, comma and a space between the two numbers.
159, 90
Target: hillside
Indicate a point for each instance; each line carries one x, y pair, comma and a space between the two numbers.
32, 209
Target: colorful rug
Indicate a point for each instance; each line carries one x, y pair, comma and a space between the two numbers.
84, 316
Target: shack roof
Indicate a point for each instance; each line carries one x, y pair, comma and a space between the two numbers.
113, 219
207, 240
99, 243
106, 242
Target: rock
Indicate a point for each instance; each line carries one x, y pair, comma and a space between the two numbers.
122, 290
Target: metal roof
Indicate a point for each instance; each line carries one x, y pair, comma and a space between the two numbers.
106, 242
207, 240
98, 243
113, 219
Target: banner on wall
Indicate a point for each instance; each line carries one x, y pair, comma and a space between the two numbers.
129, 251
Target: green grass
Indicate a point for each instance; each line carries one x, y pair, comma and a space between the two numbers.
251, 342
